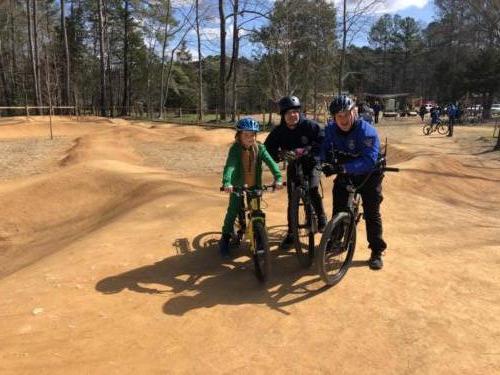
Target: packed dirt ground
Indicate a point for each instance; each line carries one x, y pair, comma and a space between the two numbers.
109, 262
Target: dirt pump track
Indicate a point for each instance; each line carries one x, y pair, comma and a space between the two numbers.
109, 263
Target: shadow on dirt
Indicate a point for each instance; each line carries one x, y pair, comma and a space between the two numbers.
197, 277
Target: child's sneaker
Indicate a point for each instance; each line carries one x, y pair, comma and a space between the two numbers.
224, 245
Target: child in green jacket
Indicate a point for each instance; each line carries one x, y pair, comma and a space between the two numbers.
244, 167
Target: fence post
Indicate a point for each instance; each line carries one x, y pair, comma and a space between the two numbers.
180, 115
50, 120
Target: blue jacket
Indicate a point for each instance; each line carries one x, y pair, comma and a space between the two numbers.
361, 143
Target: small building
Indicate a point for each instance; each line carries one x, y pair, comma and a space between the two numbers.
392, 104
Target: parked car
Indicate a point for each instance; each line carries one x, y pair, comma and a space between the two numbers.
495, 109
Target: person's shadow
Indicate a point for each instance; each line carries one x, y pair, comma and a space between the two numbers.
197, 277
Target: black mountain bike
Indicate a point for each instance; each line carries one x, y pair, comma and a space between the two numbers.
430, 128
303, 219
256, 232
338, 242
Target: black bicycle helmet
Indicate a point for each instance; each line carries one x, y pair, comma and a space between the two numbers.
341, 103
288, 102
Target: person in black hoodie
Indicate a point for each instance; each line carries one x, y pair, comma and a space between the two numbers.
296, 133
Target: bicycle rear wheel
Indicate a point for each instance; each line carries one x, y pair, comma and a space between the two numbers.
301, 220
427, 129
336, 248
442, 129
262, 254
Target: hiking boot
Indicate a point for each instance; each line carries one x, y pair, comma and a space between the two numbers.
322, 223
287, 242
224, 245
375, 262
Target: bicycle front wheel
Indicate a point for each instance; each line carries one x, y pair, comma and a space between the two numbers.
262, 254
427, 129
442, 129
301, 220
336, 248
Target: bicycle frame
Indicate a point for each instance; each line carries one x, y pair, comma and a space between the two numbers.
254, 214
301, 182
251, 199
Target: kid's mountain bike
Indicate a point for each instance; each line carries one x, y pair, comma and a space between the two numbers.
303, 219
338, 242
255, 232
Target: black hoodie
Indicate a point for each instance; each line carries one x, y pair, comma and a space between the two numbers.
306, 133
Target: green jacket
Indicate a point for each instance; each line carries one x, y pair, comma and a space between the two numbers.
233, 169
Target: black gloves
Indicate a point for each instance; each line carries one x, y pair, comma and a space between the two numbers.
329, 169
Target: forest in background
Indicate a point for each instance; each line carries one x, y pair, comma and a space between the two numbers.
114, 55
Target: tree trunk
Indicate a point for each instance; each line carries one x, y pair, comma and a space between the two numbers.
200, 72
108, 63
344, 42
37, 55
32, 55
3, 77
125, 102
234, 60
67, 92
164, 47
13, 62
102, 57
222, 67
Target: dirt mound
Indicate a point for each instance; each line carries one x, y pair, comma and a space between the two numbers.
192, 138
46, 213
107, 263
396, 155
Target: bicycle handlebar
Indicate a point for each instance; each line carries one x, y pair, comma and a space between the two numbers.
380, 168
292, 155
390, 169
241, 189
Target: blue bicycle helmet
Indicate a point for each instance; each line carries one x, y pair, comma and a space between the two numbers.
248, 124
341, 103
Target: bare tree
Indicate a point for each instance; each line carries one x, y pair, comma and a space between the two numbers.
102, 57
37, 54
126, 78
354, 19
200, 73
222, 65
32, 53
163, 51
67, 93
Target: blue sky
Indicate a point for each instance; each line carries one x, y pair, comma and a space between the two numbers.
421, 10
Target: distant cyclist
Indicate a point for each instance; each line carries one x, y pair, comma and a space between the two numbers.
435, 113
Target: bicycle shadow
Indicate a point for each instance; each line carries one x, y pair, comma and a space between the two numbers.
198, 278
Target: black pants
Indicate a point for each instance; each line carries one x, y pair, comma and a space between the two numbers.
371, 196
451, 123
314, 177
376, 117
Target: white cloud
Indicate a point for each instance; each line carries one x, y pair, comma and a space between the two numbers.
393, 6
386, 6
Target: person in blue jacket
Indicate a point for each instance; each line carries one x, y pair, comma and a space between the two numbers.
359, 144
452, 116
